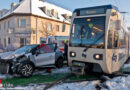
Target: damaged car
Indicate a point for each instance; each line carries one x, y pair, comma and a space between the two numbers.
26, 59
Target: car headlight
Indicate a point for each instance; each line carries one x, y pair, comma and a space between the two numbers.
13, 56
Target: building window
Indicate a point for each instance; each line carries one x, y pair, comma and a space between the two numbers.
56, 14
33, 31
5, 42
49, 12
8, 24
57, 28
18, 22
49, 27
34, 39
4, 25
9, 40
63, 28
23, 42
23, 23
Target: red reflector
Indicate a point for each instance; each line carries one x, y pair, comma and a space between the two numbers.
49, 70
0, 81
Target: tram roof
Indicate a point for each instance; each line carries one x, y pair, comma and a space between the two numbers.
103, 6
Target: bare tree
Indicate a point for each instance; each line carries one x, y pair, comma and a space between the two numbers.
45, 32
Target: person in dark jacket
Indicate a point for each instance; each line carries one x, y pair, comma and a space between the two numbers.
66, 49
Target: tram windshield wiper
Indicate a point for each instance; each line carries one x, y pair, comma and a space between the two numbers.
89, 46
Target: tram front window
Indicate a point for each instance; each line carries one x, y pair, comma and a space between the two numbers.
88, 32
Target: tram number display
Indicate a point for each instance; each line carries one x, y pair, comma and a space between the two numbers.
92, 11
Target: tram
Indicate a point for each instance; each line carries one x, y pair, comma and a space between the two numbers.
98, 40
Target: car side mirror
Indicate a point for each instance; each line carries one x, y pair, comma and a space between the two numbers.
118, 25
37, 53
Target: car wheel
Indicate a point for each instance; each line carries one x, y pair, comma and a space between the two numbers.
26, 70
59, 63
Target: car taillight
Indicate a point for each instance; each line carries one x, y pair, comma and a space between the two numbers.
98, 56
72, 54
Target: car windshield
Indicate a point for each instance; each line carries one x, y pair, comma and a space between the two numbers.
25, 49
88, 31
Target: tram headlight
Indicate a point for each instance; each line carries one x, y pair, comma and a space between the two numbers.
98, 56
72, 54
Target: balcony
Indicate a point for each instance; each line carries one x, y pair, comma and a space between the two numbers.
22, 31
18, 32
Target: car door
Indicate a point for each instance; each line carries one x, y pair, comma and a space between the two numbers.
45, 56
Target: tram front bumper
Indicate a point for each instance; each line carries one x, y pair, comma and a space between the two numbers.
78, 68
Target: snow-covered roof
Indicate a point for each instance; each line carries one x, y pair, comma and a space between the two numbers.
34, 7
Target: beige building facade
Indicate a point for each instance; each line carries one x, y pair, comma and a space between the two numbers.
31, 20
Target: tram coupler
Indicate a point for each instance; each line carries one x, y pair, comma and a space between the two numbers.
78, 70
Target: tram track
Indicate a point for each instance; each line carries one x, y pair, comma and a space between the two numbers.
99, 77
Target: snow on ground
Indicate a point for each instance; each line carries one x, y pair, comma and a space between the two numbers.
126, 66
53, 71
87, 85
118, 83
61, 70
31, 87
5, 76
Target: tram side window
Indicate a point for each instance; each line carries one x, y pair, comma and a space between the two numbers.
116, 35
110, 35
122, 39
116, 39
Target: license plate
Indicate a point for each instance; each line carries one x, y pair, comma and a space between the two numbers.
4, 68
78, 64
78, 70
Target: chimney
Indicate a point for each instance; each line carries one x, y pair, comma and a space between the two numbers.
13, 6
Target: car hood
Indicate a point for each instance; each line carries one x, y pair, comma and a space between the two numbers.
10, 55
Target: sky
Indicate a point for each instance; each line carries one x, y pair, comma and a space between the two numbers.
123, 5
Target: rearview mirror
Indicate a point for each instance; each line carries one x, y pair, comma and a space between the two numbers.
118, 25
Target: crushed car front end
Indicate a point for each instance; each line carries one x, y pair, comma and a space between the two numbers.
10, 66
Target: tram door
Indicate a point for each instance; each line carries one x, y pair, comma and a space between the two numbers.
113, 40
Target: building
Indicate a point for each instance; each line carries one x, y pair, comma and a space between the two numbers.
25, 23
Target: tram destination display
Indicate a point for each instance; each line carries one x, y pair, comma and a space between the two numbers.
91, 11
